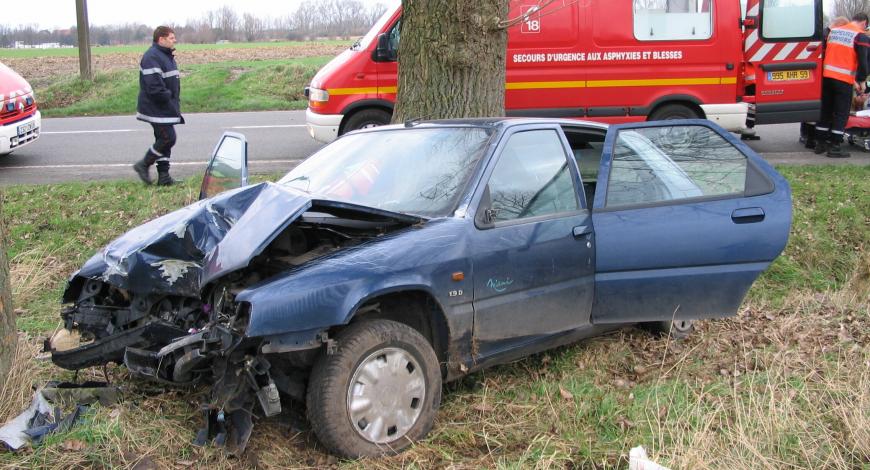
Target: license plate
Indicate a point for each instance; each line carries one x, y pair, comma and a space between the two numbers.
788, 75
25, 128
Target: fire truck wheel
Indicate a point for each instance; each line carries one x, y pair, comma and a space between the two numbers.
673, 111
367, 118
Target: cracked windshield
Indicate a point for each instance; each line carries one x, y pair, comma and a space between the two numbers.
416, 171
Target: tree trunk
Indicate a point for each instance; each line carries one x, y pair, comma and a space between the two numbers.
8, 332
452, 57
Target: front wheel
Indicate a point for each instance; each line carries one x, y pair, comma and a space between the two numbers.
365, 119
378, 393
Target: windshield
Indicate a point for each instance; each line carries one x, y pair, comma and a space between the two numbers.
413, 171
370, 36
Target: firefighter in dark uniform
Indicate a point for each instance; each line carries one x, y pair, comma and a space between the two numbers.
845, 63
158, 104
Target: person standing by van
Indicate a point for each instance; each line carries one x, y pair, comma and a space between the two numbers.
845, 63
158, 104
808, 129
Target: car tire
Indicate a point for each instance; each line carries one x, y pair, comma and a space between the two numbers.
673, 111
365, 119
353, 400
677, 329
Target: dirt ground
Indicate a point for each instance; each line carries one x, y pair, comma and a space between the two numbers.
39, 71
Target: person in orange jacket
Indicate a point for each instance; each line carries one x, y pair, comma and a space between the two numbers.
845, 64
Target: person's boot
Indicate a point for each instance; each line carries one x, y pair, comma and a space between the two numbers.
141, 167
837, 151
821, 147
810, 144
163, 178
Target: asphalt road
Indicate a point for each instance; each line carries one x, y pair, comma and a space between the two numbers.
91, 148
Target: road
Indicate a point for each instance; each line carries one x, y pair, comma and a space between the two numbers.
91, 148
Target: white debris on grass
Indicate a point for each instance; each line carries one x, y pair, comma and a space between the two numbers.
638, 460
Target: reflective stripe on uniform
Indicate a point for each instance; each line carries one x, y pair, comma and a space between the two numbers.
834, 68
158, 120
155, 152
158, 71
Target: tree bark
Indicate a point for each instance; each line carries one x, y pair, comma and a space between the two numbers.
452, 57
8, 332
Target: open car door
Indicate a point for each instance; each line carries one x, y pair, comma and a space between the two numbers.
228, 166
686, 217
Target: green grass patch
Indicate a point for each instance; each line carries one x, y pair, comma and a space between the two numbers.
140, 48
830, 231
777, 388
223, 86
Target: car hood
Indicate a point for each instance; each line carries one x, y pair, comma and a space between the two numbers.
182, 251
11, 82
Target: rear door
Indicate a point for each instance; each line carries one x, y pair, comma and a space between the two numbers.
783, 43
686, 217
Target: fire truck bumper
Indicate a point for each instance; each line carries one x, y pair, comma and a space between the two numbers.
323, 127
18, 134
730, 116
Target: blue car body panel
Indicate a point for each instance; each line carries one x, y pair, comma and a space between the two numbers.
326, 292
684, 259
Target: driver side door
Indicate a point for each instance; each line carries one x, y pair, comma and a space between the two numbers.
532, 245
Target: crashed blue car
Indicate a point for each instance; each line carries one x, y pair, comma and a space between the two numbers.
401, 257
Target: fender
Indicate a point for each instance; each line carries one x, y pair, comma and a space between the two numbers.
327, 291
361, 104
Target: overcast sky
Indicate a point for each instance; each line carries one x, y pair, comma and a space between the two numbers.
61, 14
54, 14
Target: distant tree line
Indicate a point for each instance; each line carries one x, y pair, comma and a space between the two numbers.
313, 19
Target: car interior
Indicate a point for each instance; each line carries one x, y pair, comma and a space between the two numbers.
587, 145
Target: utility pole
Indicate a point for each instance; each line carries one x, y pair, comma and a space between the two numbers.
84, 40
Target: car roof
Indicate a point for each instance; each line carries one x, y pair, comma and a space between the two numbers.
499, 123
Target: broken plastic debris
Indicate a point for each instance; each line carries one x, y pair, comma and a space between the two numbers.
173, 269
638, 460
44, 415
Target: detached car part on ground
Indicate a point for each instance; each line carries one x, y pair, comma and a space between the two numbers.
20, 121
401, 257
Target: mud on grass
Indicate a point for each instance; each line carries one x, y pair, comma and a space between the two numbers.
786, 383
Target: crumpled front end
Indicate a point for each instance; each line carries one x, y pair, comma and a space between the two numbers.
161, 299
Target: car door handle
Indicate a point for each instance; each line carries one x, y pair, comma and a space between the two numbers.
748, 215
581, 230
812, 47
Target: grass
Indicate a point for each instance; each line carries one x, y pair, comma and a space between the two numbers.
223, 86
785, 384
139, 48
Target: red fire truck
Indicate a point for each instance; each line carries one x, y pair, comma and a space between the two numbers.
19, 118
613, 61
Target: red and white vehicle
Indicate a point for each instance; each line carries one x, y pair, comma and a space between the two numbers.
20, 121
614, 61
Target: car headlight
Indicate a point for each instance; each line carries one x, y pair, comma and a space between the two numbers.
317, 95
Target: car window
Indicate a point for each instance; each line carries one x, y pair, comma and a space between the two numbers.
532, 178
659, 164
668, 20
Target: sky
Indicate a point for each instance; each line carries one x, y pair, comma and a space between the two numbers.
61, 14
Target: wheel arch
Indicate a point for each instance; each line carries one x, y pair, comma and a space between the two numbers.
362, 105
414, 306
688, 101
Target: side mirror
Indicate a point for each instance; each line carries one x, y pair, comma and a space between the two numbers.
228, 167
485, 217
384, 53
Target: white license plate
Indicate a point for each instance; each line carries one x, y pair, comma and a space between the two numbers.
25, 128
